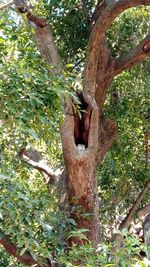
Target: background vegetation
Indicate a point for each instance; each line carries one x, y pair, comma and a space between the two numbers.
30, 101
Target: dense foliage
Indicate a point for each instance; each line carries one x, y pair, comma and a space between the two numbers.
30, 100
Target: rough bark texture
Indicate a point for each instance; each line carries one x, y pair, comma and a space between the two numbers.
42, 36
86, 140
100, 69
47, 47
81, 167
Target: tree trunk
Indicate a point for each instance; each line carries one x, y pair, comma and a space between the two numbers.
85, 138
80, 160
83, 195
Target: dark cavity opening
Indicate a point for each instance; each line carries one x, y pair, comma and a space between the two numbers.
82, 116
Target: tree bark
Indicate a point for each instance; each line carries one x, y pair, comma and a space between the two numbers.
42, 36
95, 133
81, 172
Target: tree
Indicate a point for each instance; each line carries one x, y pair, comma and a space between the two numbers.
86, 133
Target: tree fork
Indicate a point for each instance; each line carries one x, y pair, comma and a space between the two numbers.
100, 69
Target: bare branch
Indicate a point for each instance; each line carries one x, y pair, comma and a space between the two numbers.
40, 166
135, 56
128, 219
144, 212
33, 157
6, 5
12, 250
43, 36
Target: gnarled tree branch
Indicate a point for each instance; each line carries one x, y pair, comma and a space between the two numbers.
33, 158
135, 56
43, 36
112, 10
144, 212
128, 219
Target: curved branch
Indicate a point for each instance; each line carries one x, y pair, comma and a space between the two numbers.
33, 157
12, 250
40, 166
138, 54
144, 212
128, 219
43, 36
98, 34
112, 10
6, 5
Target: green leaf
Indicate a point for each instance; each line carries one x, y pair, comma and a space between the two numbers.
23, 251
